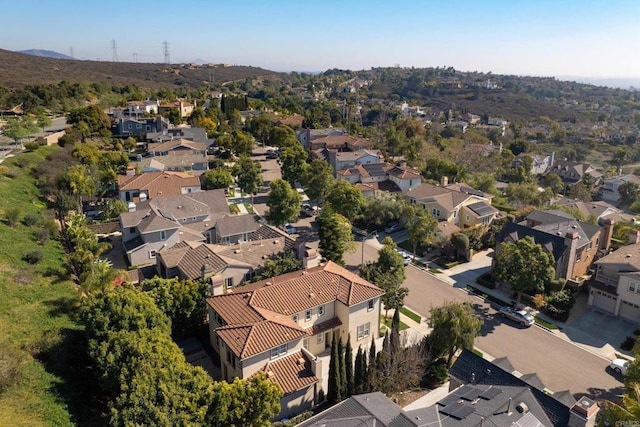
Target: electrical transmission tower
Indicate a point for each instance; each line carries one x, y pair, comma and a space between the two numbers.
167, 55
114, 51
71, 51
135, 58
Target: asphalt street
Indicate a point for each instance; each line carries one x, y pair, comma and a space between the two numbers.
560, 365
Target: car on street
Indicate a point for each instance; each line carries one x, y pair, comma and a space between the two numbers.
519, 316
619, 366
289, 229
307, 210
272, 154
392, 228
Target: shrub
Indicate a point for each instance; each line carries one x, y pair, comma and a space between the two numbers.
4, 170
10, 362
31, 146
13, 216
41, 235
52, 228
33, 257
31, 219
436, 375
486, 280
628, 343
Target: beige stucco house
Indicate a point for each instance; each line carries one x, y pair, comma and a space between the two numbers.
279, 326
616, 288
457, 204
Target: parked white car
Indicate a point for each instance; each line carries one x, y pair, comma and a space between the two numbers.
289, 229
520, 316
619, 366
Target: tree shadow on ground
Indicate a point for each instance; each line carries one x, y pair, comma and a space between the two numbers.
63, 353
596, 393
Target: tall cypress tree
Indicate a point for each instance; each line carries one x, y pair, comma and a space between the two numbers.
334, 394
395, 332
343, 370
371, 369
348, 367
358, 374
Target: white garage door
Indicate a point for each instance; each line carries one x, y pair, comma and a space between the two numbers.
630, 311
604, 301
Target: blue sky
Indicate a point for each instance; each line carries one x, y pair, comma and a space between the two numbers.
525, 37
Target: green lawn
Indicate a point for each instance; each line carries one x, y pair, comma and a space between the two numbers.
387, 323
248, 207
37, 316
411, 315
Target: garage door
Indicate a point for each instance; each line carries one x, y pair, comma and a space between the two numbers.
630, 311
604, 301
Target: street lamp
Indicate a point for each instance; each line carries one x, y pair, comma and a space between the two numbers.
373, 233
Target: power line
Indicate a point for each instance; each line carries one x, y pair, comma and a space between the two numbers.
114, 51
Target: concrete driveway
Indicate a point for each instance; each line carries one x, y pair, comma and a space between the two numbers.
597, 329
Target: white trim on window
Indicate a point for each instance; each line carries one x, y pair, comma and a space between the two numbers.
364, 330
321, 311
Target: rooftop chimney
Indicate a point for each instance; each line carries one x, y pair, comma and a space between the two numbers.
634, 237
583, 413
444, 181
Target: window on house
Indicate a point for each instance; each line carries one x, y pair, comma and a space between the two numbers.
130, 126
370, 305
632, 287
321, 311
435, 212
228, 282
320, 338
307, 315
305, 343
364, 330
152, 254
279, 351
163, 235
590, 246
132, 230
295, 318
468, 218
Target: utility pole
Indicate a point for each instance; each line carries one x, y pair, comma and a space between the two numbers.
114, 51
71, 51
135, 58
167, 55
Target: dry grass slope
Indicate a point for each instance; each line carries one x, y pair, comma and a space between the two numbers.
18, 70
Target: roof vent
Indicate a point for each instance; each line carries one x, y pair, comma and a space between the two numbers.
627, 256
270, 374
268, 284
237, 251
522, 408
301, 361
312, 295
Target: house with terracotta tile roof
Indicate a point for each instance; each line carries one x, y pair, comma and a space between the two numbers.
455, 203
340, 142
162, 222
177, 147
573, 172
305, 136
196, 164
279, 325
395, 178
149, 185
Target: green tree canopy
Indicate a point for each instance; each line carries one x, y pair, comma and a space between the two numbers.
420, 226
346, 199
248, 174
284, 202
251, 402
335, 233
629, 193
388, 273
317, 179
454, 326
279, 265
524, 264
294, 162
217, 178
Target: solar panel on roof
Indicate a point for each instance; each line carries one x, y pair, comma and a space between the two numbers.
469, 393
449, 399
463, 412
490, 393
457, 410
451, 409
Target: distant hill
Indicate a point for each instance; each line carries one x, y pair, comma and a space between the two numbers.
45, 53
18, 70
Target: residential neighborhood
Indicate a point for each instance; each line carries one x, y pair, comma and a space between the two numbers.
354, 260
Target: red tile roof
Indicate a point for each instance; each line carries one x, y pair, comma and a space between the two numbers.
291, 373
257, 315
